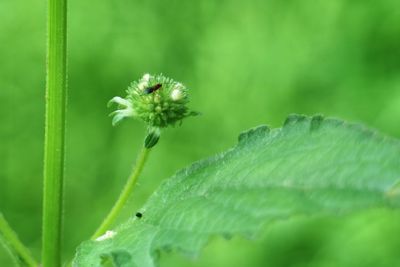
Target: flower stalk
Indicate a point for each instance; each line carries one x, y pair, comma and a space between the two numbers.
125, 194
56, 88
159, 102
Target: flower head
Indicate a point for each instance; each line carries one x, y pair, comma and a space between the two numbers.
155, 99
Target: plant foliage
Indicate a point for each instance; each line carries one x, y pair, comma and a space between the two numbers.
309, 166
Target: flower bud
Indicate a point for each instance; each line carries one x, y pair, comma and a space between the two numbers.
152, 137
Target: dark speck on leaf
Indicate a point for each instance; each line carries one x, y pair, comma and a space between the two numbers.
139, 215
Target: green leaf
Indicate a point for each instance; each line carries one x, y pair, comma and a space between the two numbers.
309, 166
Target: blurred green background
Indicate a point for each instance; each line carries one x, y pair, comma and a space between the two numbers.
246, 63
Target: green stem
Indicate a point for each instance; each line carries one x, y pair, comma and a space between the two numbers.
123, 197
54, 132
14, 244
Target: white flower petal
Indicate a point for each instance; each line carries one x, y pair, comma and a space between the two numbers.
178, 86
120, 101
146, 77
107, 235
142, 85
120, 114
176, 94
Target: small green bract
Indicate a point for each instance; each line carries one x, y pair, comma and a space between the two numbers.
157, 100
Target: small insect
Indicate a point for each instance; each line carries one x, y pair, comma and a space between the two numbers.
138, 215
152, 89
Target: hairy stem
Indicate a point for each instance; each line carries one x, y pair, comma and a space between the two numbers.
10, 239
124, 196
56, 88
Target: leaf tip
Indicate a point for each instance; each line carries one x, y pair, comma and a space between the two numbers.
261, 130
294, 118
316, 122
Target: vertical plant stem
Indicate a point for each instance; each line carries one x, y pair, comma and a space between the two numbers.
54, 132
16, 247
124, 196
